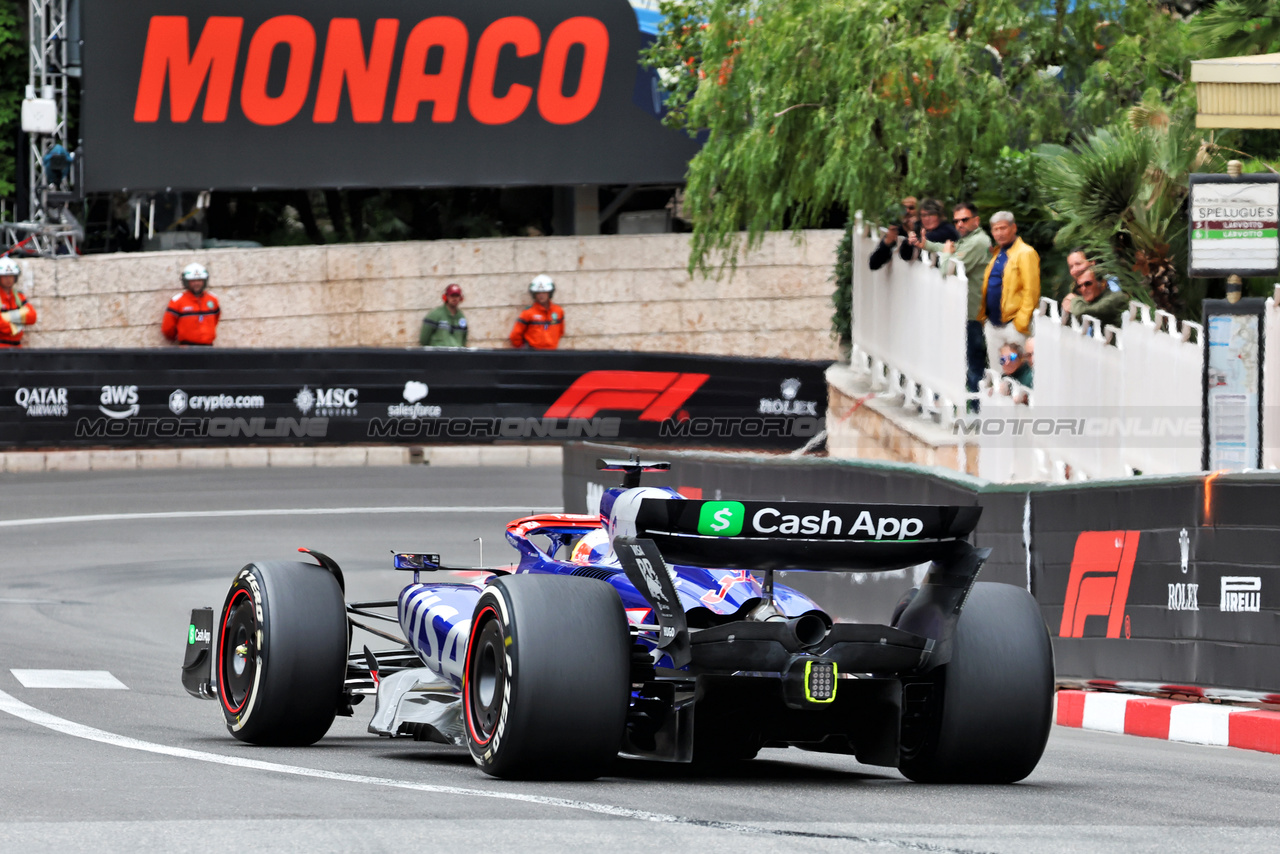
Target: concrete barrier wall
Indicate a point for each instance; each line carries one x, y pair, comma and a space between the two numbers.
620, 292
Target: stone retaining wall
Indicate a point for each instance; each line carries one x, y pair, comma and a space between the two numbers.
619, 292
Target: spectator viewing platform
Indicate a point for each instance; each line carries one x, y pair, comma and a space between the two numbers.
1109, 400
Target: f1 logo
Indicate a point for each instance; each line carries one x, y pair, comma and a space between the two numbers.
1098, 585
657, 394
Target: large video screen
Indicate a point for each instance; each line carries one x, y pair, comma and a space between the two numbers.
277, 94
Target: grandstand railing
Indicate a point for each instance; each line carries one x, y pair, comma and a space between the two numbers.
1138, 385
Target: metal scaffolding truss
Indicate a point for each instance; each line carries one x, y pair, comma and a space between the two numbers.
47, 79
51, 228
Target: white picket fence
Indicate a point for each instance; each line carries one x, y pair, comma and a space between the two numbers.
1271, 383
1133, 392
908, 327
1120, 400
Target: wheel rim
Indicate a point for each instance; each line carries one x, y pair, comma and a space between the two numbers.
486, 682
238, 664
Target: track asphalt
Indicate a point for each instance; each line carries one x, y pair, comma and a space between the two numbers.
146, 768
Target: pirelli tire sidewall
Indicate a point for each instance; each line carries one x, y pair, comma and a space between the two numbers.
564, 678
298, 655
992, 704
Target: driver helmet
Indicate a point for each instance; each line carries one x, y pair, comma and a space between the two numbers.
9, 267
194, 271
542, 284
591, 548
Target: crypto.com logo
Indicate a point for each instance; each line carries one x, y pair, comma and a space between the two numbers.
1098, 585
657, 394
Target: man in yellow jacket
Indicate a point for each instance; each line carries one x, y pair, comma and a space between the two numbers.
1010, 288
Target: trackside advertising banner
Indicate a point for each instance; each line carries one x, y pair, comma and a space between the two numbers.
208, 397
1155, 584
382, 93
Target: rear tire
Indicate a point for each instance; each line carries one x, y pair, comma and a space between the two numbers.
991, 706
547, 678
281, 653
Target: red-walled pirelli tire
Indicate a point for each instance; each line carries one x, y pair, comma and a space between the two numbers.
991, 707
281, 653
547, 678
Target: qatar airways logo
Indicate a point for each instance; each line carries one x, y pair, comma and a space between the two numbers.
419, 73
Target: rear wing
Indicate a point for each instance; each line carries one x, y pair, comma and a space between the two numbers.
822, 536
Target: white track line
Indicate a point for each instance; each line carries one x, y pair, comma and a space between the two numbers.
296, 511
31, 714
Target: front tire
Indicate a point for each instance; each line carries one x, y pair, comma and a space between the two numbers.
991, 706
281, 653
547, 678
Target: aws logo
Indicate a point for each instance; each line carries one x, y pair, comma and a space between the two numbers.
1098, 585
427, 67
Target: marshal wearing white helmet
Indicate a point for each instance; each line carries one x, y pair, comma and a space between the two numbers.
540, 325
192, 315
16, 314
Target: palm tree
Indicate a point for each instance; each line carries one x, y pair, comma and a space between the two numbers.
1121, 195
1238, 28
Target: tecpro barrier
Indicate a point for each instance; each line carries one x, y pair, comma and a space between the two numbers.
1155, 583
208, 397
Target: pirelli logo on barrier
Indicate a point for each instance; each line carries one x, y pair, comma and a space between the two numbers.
184, 58
1098, 585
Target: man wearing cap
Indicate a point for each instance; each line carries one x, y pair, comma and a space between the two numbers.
445, 325
540, 325
192, 315
15, 312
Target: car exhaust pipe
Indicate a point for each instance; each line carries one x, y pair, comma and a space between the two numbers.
810, 628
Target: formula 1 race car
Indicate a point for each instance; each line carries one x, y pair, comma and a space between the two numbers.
654, 630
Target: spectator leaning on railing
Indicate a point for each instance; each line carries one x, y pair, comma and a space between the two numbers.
973, 249
1015, 364
899, 219
1092, 296
933, 228
1010, 288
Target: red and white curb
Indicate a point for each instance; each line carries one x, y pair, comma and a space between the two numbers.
1194, 723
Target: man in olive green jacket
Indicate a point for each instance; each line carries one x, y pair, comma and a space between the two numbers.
1010, 287
973, 249
1092, 295
445, 325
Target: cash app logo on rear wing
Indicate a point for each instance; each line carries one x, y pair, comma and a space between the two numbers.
721, 518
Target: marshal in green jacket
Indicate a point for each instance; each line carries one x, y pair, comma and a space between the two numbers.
442, 329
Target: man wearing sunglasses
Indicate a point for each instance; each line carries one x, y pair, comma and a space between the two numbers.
973, 250
1015, 364
1092, 295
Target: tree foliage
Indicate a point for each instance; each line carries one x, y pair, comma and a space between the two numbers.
813, 104
1238, 28
13, 78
